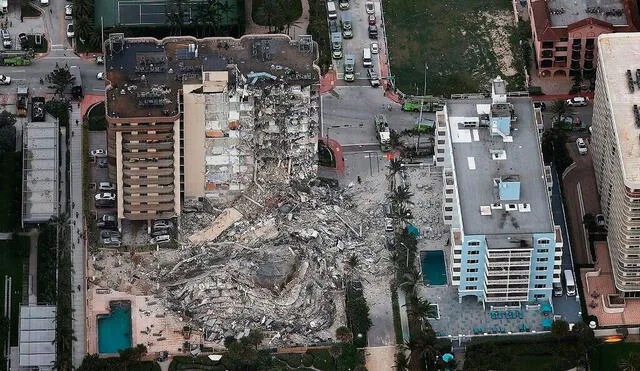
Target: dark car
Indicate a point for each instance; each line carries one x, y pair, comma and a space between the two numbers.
540, 105
105, 203
373, 32
333, 26
372, 19
102, 163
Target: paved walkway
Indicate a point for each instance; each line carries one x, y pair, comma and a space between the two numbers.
78, 258
380, 358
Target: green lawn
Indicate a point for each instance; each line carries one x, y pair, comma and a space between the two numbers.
96, 118
529, 353
605, 357
456, 39
276, 13
14, 256
47, 251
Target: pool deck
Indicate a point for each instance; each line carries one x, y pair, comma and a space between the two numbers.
169, 327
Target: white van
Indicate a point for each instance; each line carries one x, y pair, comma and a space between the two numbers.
366, 58
331, 10
569, 283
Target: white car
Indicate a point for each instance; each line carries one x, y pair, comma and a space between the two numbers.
106, 186
68, 11
70, 31
106, 196
98, 153
162, 224
160, 239
44, 2
5, 80
578, 101
100, 76
369, 7
374, 48
582, 146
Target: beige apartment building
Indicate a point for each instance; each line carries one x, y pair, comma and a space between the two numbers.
191, 118
616, 153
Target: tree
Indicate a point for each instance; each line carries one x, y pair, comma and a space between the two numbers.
395, 165
402, 363
175, 13
344, 335
560, 329
420, 308
7, 132
410, 281
335, 351
561, 108
630, 363
60, 79
402, 196
254, 338
83, 9
403, 214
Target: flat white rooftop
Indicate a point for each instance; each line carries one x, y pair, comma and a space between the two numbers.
619, 52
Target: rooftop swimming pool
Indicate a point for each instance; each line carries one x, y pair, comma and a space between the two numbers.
114, 330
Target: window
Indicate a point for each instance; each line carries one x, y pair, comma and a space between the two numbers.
472, 261
561, 49
543, 241
471, 279
540, 286
472, 287
448, 208
539, 296
543, 251
472, 270
473, 243
541, 277
542, 260
541, 268
473, 252
456, 261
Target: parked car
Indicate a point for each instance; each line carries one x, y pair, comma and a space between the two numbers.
390, 242
333, 26
372, 19
388, 224
578, 101
373, 32
106, 186
68, 11
112, 242
5, 80
102, 163
373, 77
374, 48
24, 40
105, 196
162, 224
99, 59
540, 105
369, 7
386, 209
600, 222
6, 38
98, 153
582, 146
70, 31
160, 239
100, 76
109, 234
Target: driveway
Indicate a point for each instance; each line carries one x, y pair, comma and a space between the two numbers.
581, 196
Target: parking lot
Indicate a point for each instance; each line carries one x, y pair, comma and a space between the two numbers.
360, 40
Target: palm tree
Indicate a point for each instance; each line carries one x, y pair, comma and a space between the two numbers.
410, 281
395, 165
402, 363
422, 347
403, 214
402, 195
84, 26
175, 12
335, 351
630, 363
82, 9
421, 308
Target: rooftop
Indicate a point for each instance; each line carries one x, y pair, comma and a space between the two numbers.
482, 160
40, 172
37, 335
146, 74
562, 13
618, 53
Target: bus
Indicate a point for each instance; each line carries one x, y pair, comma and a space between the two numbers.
76, 86
569, 282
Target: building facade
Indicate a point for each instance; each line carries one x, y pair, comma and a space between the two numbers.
564, 32
616, 153
506, 249
190, 118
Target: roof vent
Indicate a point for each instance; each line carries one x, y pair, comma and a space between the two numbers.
496, 206
485, 210
498, 154
511, 207
524, 208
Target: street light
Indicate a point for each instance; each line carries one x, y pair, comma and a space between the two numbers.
424, 92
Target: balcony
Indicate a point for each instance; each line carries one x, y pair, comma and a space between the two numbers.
588, 56
515, 281
575, 56
493, 254
576, 46
588, 65
560, 64
547, 54
505, 298
575, 66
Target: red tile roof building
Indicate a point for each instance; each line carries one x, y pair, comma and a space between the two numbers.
565, 32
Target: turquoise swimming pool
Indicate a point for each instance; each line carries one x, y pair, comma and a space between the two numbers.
433, 268
114, 330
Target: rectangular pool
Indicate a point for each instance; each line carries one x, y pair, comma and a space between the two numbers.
114, 330
433, 268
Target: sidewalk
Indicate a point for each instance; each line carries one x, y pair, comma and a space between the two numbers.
88, 101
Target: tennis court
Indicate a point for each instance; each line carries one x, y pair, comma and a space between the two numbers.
137, 13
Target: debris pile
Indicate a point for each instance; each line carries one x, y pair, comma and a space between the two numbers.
281, 267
